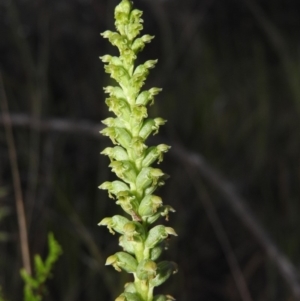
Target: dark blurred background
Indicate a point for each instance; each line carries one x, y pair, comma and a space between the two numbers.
230, 72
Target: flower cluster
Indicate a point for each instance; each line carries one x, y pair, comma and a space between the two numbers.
131, 160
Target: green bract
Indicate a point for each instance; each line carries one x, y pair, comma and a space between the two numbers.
131, 160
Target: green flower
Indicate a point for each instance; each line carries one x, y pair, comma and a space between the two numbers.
131, 159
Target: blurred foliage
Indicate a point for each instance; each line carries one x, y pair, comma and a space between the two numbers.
230, 73
34, 286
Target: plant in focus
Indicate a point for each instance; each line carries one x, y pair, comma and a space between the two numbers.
131, 160
34, 286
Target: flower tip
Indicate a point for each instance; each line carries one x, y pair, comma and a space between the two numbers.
111, 260
171, 231
104, 222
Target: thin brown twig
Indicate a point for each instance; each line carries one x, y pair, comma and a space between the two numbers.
220, 234
16, 180
36, 75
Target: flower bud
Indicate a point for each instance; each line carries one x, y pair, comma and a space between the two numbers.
137, 144
111, 133
128, 56
139, 43
163, 298
129, 287
107, 34
150, 64
124, 261
164, 270
113, 60
118, 135
124, 6
128, 297
146, 269
114, 188
139, 113
151, 125
158, 234
115, 153
115, 91
117, 223
149, 205
126, 244
141, 72
106, 58
113, 122
157, 123
128, 202
134, 26
156, 252
134, 231
125, 170
115, 38
147, 128
162, 211
119, 106
135, 16
143, 98
155, 175
148, 176
147, 96
123, 137
143, 179
153, 153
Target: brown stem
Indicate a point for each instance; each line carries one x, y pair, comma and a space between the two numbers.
16, 180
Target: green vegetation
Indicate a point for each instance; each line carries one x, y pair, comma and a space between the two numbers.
34, 287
